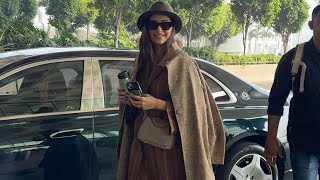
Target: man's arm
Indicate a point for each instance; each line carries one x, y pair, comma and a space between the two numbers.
272, 145
278, 95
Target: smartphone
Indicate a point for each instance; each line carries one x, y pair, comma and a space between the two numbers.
134, 88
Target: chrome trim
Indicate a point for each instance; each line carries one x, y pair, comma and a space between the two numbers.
112, 58
23, 144
53, 135
42, 115
243, 107
86, 99
107, 109
98, 96
232, 97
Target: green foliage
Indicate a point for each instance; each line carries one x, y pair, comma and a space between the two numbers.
135, 9
290, 19
106, 39
221, 24
67, 39
216, 19
246, 11
44, 3
64, 13
209, 54
22, 34
87, 13
112, 14
246, 59
206, 53
269, 10
28, 10
193, 14
9, 8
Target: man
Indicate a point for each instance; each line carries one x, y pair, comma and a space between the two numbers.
304, 115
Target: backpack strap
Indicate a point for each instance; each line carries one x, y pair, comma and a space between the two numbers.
296, 63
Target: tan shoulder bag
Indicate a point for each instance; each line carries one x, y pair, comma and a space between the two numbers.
156, 131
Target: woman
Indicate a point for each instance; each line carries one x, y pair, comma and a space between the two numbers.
173, 89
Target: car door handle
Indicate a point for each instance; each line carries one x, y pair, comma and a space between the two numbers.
66, 133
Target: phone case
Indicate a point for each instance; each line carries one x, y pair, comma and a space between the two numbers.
134, 88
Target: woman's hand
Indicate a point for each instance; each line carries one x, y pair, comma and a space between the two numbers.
147, 102
123, 97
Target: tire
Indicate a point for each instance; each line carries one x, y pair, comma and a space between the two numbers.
245, 161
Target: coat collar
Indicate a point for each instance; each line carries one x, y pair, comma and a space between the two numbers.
172, 51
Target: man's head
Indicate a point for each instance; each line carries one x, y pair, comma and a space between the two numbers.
315, 11
314, 23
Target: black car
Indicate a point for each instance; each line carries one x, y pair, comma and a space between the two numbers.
59, 116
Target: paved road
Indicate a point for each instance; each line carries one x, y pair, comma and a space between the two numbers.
288, 176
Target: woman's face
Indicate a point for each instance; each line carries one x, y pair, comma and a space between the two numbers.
159, 28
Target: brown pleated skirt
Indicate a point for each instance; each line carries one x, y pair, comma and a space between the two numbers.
151, 163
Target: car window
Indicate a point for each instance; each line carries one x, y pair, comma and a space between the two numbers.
109, 72
218, 93
53, 87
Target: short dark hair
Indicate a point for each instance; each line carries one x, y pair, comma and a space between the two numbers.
315, 11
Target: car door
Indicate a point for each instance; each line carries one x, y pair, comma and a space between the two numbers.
46, 120
106, 108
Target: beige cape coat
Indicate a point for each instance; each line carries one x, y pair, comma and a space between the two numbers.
198, 118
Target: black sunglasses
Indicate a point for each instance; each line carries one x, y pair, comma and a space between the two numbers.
153, 25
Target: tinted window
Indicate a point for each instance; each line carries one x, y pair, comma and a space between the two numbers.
109, 72
217, 91
52, 87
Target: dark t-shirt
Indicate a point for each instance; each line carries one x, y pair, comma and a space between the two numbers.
304, 114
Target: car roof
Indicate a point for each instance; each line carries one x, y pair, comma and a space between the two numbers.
51, 50
18, 57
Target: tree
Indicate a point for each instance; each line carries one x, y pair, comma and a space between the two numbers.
290, 19
249, 11
117, 14
220, 25
132, 14
9, 9
8, 12
63, 14
87, 14
44, 3
268, 12
22, 35
111, 15
193, 12
28, 10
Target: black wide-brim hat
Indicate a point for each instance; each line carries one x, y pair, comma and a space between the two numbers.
161, 8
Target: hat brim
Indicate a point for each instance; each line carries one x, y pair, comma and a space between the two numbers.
146, 15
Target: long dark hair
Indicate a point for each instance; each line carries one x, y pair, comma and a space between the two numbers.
147, 51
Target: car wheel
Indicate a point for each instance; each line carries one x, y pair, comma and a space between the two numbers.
245, 161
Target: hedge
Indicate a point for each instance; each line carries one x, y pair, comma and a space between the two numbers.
209, 54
